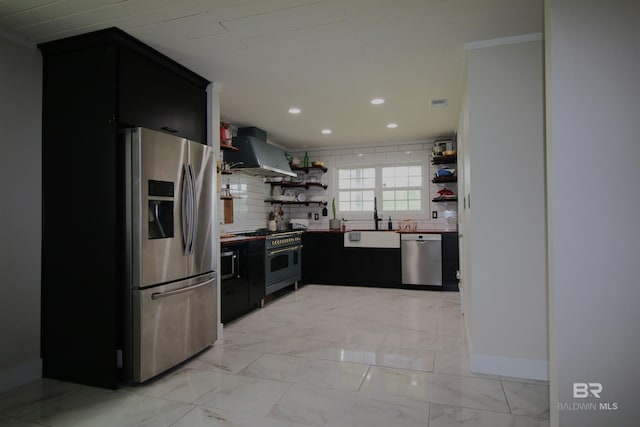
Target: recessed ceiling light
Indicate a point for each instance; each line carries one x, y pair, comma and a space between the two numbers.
294, 110
326, 131
360, 154
392, 125
439, 103
377, 101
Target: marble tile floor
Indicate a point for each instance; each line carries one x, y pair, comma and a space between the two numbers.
321, 356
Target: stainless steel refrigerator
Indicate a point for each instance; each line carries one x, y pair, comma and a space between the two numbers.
170, 220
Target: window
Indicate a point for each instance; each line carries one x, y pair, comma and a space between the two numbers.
402, 188
399, 187
356, 188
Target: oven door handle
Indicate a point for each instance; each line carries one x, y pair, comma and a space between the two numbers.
291, 249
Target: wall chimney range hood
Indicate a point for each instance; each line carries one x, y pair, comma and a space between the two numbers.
255, 156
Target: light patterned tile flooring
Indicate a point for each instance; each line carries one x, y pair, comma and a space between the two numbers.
321, 356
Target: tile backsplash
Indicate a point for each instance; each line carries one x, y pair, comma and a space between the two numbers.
251, 210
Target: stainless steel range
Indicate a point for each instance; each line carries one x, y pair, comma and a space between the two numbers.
283, 260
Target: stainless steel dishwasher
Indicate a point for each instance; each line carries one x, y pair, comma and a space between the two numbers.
421, 259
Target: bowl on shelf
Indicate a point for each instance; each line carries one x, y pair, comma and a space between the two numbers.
449, 153
317, 163
445, 172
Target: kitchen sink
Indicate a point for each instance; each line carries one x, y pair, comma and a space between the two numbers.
371, 239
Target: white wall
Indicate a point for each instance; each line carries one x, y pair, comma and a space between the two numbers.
505, 232
249, 209
20, 212
593, 162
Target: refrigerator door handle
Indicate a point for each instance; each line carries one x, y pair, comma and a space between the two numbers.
194, 208
185, 208
157, 295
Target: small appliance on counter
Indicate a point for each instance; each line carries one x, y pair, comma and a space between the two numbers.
299, 224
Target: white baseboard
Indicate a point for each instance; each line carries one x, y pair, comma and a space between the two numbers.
21, 374
534, 369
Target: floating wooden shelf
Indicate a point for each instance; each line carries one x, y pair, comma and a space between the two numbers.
310, 168
282, 202
443, 160
444, 199
443, 179
299, 184
228, 147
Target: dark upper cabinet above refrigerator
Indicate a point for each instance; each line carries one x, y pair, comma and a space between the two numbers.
154, 97
149, 89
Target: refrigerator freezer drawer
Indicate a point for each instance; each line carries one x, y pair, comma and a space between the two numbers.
172, 323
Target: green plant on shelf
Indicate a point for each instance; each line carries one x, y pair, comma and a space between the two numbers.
333, 207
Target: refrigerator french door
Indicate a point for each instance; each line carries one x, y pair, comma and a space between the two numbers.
171, 257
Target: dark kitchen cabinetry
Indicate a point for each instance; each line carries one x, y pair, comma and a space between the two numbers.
373, 266
327, 261
323, 258
93, 86
450, 264
256, 272
245, 291
153, 96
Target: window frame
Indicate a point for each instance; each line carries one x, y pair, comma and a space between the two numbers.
378, 190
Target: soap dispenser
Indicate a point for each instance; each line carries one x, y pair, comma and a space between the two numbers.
390, 224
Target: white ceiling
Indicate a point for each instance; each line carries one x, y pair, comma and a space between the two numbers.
327, 57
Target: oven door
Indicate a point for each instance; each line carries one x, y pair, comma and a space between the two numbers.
283, 267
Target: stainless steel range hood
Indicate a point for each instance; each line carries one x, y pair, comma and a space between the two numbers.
256, 157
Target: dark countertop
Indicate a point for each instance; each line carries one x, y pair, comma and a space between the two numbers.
240, 239
388, 231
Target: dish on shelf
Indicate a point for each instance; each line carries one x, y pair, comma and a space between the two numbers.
300, 197
317, 163
445, 172
445, 192
311, 180
289, 193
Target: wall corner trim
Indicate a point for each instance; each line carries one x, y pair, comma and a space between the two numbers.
524, 38
534, 369
20, 374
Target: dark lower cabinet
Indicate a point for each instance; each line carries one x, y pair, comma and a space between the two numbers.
450, 261
244, 292
325, 260
256, 272
373, 266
